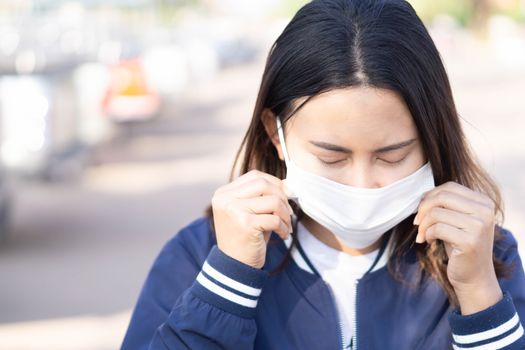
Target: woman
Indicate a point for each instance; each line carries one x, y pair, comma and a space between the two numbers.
360, 218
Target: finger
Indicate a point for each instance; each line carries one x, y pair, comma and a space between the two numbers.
257, 187
461, 190
450, 217
449, 200
249, 176
266, 223
268, 205
447, 233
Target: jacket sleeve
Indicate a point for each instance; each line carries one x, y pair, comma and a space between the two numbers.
186, 305
499, 326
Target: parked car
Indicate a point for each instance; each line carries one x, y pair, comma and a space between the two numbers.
38, 124
129, 97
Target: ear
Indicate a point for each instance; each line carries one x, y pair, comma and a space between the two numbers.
268, 118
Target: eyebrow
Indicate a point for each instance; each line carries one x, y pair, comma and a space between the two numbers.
336, 148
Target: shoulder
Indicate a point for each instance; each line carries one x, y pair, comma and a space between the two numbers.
193, 241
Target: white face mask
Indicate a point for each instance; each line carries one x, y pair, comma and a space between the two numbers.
358, 216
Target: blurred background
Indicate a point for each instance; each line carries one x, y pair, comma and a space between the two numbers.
119, 118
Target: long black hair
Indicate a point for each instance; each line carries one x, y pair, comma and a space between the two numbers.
331, 44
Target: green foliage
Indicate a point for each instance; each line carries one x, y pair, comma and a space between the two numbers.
288, 8
461, 10
516, 12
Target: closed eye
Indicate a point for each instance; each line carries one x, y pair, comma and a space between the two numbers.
334, 162
326, 162
394, 162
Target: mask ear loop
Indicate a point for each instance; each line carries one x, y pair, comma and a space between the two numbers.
280, 132
291, 196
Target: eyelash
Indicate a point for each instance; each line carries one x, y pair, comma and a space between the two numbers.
330, 163
394, 163
339, 161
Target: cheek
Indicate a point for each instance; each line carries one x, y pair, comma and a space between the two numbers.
417, 158
298, 153
386, 174
414, 161
419, 154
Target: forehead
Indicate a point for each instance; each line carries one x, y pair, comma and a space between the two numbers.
355, 115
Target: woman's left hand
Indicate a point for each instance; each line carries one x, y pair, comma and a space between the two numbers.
464, 220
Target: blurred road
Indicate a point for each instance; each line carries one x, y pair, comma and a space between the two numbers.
79, 252
84, 249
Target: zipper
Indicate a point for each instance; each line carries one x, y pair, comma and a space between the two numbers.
384, 243
354, 335
340, 328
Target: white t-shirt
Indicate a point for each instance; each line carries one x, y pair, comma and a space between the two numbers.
340, 271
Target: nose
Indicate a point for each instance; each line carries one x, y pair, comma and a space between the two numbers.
362, 176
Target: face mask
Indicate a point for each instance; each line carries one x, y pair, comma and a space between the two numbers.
358, 216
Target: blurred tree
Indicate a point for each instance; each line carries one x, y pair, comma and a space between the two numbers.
481, 12
460, 10
288, 8
167, 10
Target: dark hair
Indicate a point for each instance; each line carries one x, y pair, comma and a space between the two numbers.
331, 44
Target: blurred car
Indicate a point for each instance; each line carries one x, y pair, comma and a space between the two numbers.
129, 97
38, 127
39, 123
25, 123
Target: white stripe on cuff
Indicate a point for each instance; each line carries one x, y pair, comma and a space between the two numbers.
226, 294
241, 287
499, 344
491, 333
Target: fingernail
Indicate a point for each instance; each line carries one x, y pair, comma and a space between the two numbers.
419, 239
290, 209
416, 220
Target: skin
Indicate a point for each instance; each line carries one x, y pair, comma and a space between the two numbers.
359, 122
377, 119
465, 220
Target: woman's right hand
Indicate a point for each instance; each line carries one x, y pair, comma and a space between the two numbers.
246, 211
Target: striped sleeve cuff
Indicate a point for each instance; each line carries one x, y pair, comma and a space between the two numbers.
497, 327
229, 284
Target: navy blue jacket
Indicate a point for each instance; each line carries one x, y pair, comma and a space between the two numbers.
196, 297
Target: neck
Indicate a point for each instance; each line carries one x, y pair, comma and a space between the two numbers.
331, 240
